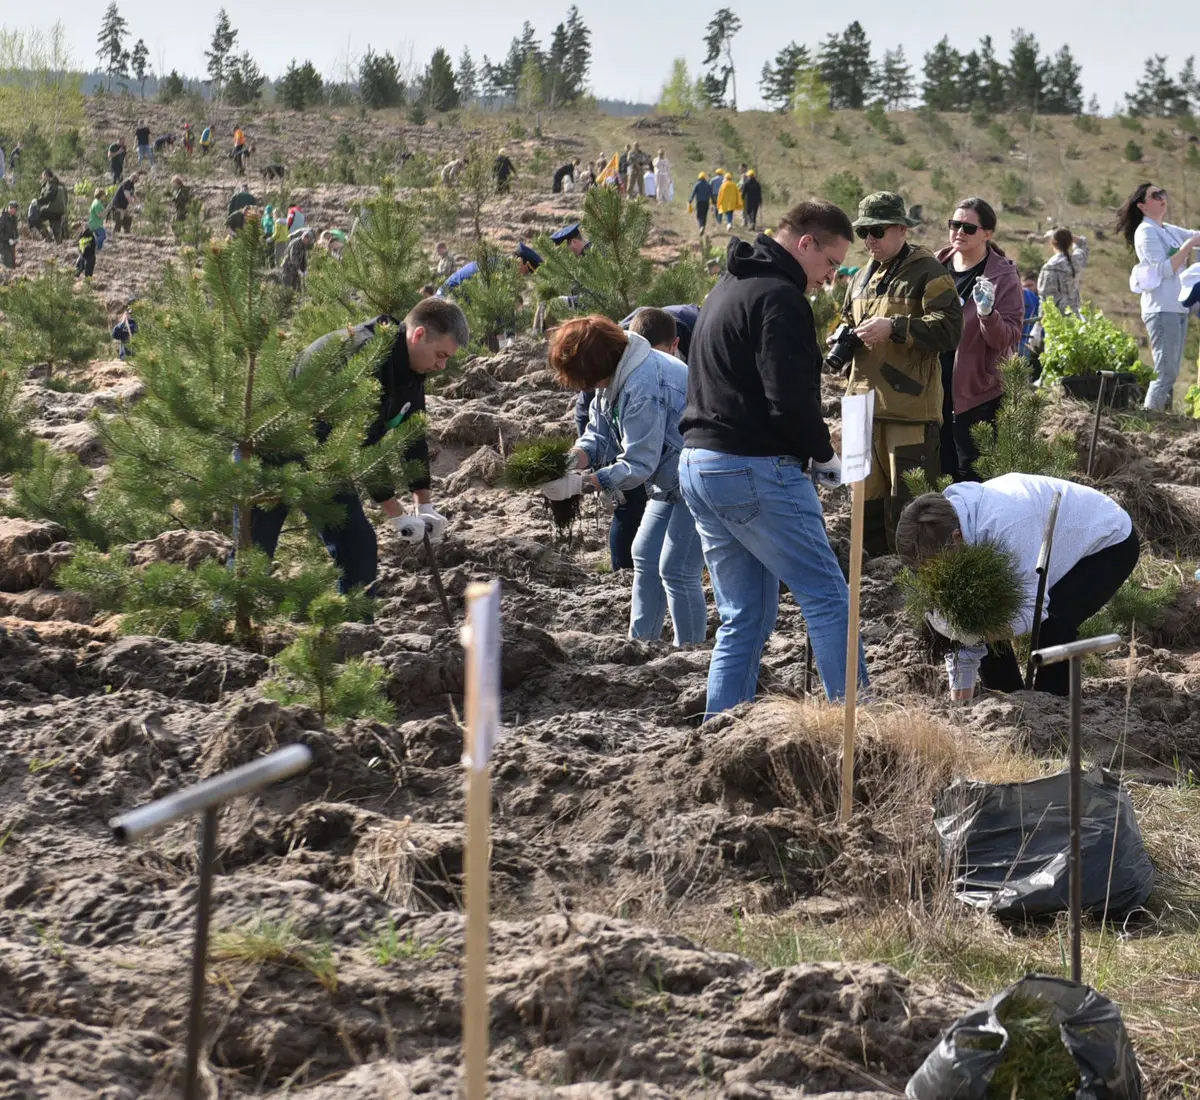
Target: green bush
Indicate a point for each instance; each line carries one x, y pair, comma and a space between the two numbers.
1087, 344
1133, 151
51, 319
1108, 195
1013, 193
1139, 603
843, 188
1077, 193
1073, 152
1087, 124
695, 154
941, 182
787, 140
1000, 135
53, 488
916, 163
884, 179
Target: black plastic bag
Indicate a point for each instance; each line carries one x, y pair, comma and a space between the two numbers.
1090, 1026
1010, 843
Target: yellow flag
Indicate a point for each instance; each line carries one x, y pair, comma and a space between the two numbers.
611, 168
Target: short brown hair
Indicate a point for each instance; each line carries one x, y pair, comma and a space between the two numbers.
926, 527
815, 218
585, 351
657, 326
441, 318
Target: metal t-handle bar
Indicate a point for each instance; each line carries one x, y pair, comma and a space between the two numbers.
1043, 571
1075, 653
212, 792
1053, 654
1105, 375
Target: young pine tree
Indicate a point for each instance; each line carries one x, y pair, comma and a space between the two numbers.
16, 444
312, 675
226, 424
492, 300
51, 320
381, 270
1018, 444
613, 277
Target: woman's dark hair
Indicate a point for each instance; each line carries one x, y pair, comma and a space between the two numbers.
987, 217
1063, 240
1130, 216
586, 351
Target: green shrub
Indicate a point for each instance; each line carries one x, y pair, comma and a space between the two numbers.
1030, 256
51, 319
884, 179
16, 444
1133, 151
941, 182
53, 488
1139, 603
1077, 193
843, 188
1000, 135
695, 154
916, 163
1087, 124
1013, 193
787, 140
1016, 444
1108, 195
1073, 152
1087, 344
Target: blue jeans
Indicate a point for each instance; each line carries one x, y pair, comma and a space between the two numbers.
145, 153
353, 545
101, 237
1167, 332
623, 529
760, 523
667, 567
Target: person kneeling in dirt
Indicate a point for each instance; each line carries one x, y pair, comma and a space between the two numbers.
432, 333
632, 439
1095, 549
756, 446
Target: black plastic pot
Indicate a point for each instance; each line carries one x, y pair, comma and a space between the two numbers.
1121, 391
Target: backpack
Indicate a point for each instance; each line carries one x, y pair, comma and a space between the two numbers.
34, 214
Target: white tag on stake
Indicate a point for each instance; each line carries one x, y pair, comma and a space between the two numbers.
858, 414
481, 636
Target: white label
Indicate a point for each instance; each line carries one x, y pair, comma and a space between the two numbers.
482, 639
858, 413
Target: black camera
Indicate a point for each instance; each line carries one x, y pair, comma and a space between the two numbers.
845, 343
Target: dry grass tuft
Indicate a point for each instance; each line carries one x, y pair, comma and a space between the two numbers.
1166, 517
418, 866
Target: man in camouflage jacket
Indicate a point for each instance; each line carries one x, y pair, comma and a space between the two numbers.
904, 307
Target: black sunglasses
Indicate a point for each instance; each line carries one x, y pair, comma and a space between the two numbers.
969, 228
876, 232
1158, 195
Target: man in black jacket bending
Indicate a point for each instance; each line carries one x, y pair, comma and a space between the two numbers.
428, 338
755, 445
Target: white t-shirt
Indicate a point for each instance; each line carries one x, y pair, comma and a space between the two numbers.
1154, 245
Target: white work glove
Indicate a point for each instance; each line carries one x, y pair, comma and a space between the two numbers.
827, 473
562, 488
434, 521
409, 528
984, 295
939, 624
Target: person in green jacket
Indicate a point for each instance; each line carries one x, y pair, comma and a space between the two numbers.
52, 205
903, 311
96, 217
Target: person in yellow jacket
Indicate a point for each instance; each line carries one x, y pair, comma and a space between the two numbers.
729, 200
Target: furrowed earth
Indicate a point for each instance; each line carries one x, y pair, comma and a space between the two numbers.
676, 910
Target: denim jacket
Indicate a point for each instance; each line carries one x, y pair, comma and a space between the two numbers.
633, 436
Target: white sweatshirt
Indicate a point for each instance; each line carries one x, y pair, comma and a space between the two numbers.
1012, 510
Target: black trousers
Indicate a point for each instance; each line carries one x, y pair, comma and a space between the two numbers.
964, 445
1086, 588
353, 546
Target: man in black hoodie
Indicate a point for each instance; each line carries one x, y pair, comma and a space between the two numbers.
755, 445
430, 335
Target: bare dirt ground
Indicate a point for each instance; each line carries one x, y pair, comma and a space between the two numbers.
611, 805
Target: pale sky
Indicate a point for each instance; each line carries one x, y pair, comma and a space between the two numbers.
633, 43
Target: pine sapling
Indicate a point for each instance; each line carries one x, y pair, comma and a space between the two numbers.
51, 320
55, 487
492, 299
1018, 444
537, 461
16, 442
975, 588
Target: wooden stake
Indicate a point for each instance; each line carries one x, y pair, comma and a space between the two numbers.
482, 642
858, 491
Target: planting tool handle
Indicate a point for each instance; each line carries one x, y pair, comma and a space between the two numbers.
437, 579
1043, 569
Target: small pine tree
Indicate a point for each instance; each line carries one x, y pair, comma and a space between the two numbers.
226, 422
976, 588
55, 488
311, 674
51, 320
613, 277
1017, 444
382, 268
492, 298
192, 232
16, 444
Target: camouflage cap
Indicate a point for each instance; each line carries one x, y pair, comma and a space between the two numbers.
882, 208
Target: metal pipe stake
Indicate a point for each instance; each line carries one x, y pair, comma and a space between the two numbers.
1105, 375
1075, 813
195, 1039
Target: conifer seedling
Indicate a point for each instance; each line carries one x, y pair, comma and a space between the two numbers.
537, 461
975, 588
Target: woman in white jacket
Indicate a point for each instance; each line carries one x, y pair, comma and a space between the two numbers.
1095, 549
1163, 251
662, 177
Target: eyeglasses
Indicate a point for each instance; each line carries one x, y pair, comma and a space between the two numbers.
1158, 195
875, 232
969, 228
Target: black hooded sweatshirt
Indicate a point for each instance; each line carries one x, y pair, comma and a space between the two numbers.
754, 365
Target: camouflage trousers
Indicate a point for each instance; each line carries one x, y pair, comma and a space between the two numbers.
898, 446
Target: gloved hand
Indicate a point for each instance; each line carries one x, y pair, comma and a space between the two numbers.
409, 528
562, 488
942, 627
435, 522
984, 295
827, 473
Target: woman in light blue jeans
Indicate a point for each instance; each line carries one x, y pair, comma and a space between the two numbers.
1163, 251
632, 439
